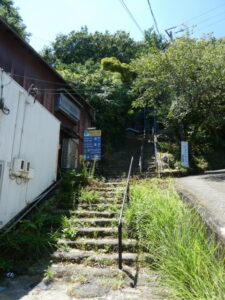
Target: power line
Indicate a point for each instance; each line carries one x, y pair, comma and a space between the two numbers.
153, 16
169, 30
203, 14
218, 21
205, 21
131, 16
66, 84
57, 90
44, 81
214, 16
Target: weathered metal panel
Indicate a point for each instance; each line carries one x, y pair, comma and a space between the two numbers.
29, 132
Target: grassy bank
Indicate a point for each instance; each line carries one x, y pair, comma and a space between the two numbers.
177, 241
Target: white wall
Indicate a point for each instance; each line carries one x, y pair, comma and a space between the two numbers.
29, 132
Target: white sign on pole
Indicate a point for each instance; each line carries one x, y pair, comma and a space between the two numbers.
184, 154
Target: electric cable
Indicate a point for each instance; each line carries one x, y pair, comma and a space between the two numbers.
198, 16
214, 16
153, 16
62, 85
197, 29
217, 22
65, 85
132, 16
203, 14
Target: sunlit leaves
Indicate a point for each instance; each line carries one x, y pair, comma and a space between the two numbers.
186, 83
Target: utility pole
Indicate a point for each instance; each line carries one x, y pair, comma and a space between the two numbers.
169, 32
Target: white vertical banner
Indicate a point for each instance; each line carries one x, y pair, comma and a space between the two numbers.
184, 154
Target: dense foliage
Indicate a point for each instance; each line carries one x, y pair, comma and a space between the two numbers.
181, 81
11, 15
80, 46
106, 92
98, 66
185, 84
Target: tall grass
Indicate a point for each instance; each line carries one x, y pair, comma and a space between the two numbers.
177, 241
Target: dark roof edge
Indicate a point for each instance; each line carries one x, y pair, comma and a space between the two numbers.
35, 53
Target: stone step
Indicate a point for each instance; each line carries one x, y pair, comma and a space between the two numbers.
101, 200
100, 206
109, 193
122, 175
96, 231
93, 244
109, 189
93, 258
92, 213
97, 221
61, 269
117, 183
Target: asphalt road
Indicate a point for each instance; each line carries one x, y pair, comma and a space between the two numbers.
207, 192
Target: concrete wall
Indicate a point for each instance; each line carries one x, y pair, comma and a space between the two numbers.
29, 132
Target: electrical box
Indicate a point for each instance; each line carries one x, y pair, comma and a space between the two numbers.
29, 174
19, 166
22, 168
27, 166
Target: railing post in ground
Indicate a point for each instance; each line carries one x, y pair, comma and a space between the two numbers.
120, 247
128, 193
120, 222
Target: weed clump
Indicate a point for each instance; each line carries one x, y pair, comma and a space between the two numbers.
177, 241
37, 235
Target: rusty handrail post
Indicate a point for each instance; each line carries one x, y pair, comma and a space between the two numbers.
126, 197
120, 250
128, 192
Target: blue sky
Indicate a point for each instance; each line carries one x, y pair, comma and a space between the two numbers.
46, 18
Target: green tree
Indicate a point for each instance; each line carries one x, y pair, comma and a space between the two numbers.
10, 14
80, 46
154, 40
98, 64
186, 85
107, 93
114, 65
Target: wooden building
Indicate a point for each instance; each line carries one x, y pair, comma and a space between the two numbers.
35, 75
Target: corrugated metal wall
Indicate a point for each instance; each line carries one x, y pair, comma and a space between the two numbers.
29, 132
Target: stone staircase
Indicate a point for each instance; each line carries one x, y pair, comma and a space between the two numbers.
117, 165
95, 224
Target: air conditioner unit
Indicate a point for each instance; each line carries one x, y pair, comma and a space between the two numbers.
19, 166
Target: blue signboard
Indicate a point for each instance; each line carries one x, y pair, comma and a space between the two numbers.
92, 144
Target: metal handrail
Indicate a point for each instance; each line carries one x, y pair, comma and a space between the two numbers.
157, 155
141, 159
120, 222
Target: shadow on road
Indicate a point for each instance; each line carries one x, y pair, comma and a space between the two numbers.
216, 176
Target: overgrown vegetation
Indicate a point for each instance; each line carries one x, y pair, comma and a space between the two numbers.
177, 241
89, 195
99, 69
185, 86
36, 235
180, 82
